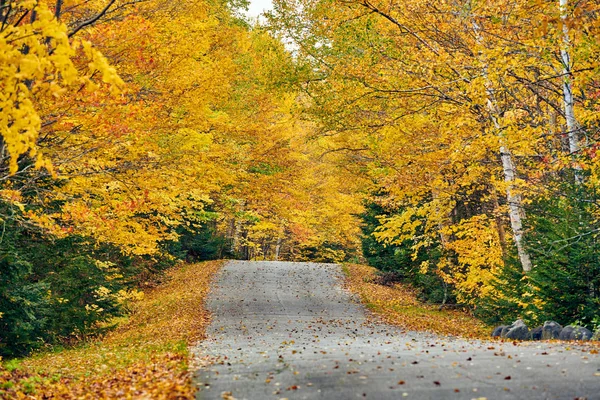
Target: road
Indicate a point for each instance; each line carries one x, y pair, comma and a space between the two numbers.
290, 330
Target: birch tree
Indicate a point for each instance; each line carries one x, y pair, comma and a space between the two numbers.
567, 86
513, 199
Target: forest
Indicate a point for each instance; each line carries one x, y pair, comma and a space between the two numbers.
453, 145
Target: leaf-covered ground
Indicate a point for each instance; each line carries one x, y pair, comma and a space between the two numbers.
146, 357
398, 305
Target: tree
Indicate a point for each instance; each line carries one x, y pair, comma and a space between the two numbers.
444, 107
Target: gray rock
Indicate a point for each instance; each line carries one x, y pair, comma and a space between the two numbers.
551, 330
575, 333
518, 331
536, 334
566, 333
498, 331
581, 333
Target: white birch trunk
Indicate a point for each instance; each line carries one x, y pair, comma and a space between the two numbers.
515, 207
235, 239
568, 101
573, 128
515, 203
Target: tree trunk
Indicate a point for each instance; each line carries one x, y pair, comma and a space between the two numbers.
235, 237
280, 236
499, 224
515, 203
58, 8
515, 207
568, 99
278, 248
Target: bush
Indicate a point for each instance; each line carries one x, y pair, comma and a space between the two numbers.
56, 290
60, 290
564, 244
399, 261
564, 283
198, 239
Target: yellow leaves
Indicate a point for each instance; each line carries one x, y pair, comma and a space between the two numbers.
399, 227
37, 60
29, 65
264, 226
102, 293
474, 242
399, 305
128, 296
432, 139
197, 121
93, 308
479, 257
11, 196
99, 63
425, 266
193, 140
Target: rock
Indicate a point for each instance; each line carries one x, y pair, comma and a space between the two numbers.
551, 330
581, 333
498, 331
518, 331
566, 333
536, 334
575, 333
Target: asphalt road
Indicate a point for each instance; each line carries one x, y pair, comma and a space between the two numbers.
289, 330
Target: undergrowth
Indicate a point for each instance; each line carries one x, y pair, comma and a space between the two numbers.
146, 357
397, 304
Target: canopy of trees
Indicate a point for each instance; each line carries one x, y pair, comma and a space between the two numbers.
135, 133
476, 123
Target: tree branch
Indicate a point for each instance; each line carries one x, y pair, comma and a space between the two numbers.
93, 19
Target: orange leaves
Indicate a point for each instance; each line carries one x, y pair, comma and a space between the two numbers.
432, 95
197, 117
160, 378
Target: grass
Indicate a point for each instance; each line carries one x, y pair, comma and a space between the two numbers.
146, 357
398, 305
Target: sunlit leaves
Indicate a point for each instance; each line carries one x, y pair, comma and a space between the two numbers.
404, 89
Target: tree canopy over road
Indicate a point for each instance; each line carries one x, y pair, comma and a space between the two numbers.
453, 145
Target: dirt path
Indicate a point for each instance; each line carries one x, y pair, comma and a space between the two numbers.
289, 330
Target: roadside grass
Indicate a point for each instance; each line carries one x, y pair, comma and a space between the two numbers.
398, 305
145, 357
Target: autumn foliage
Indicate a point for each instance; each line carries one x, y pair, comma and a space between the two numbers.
462, 137
135, 133
476, 125
146, 357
